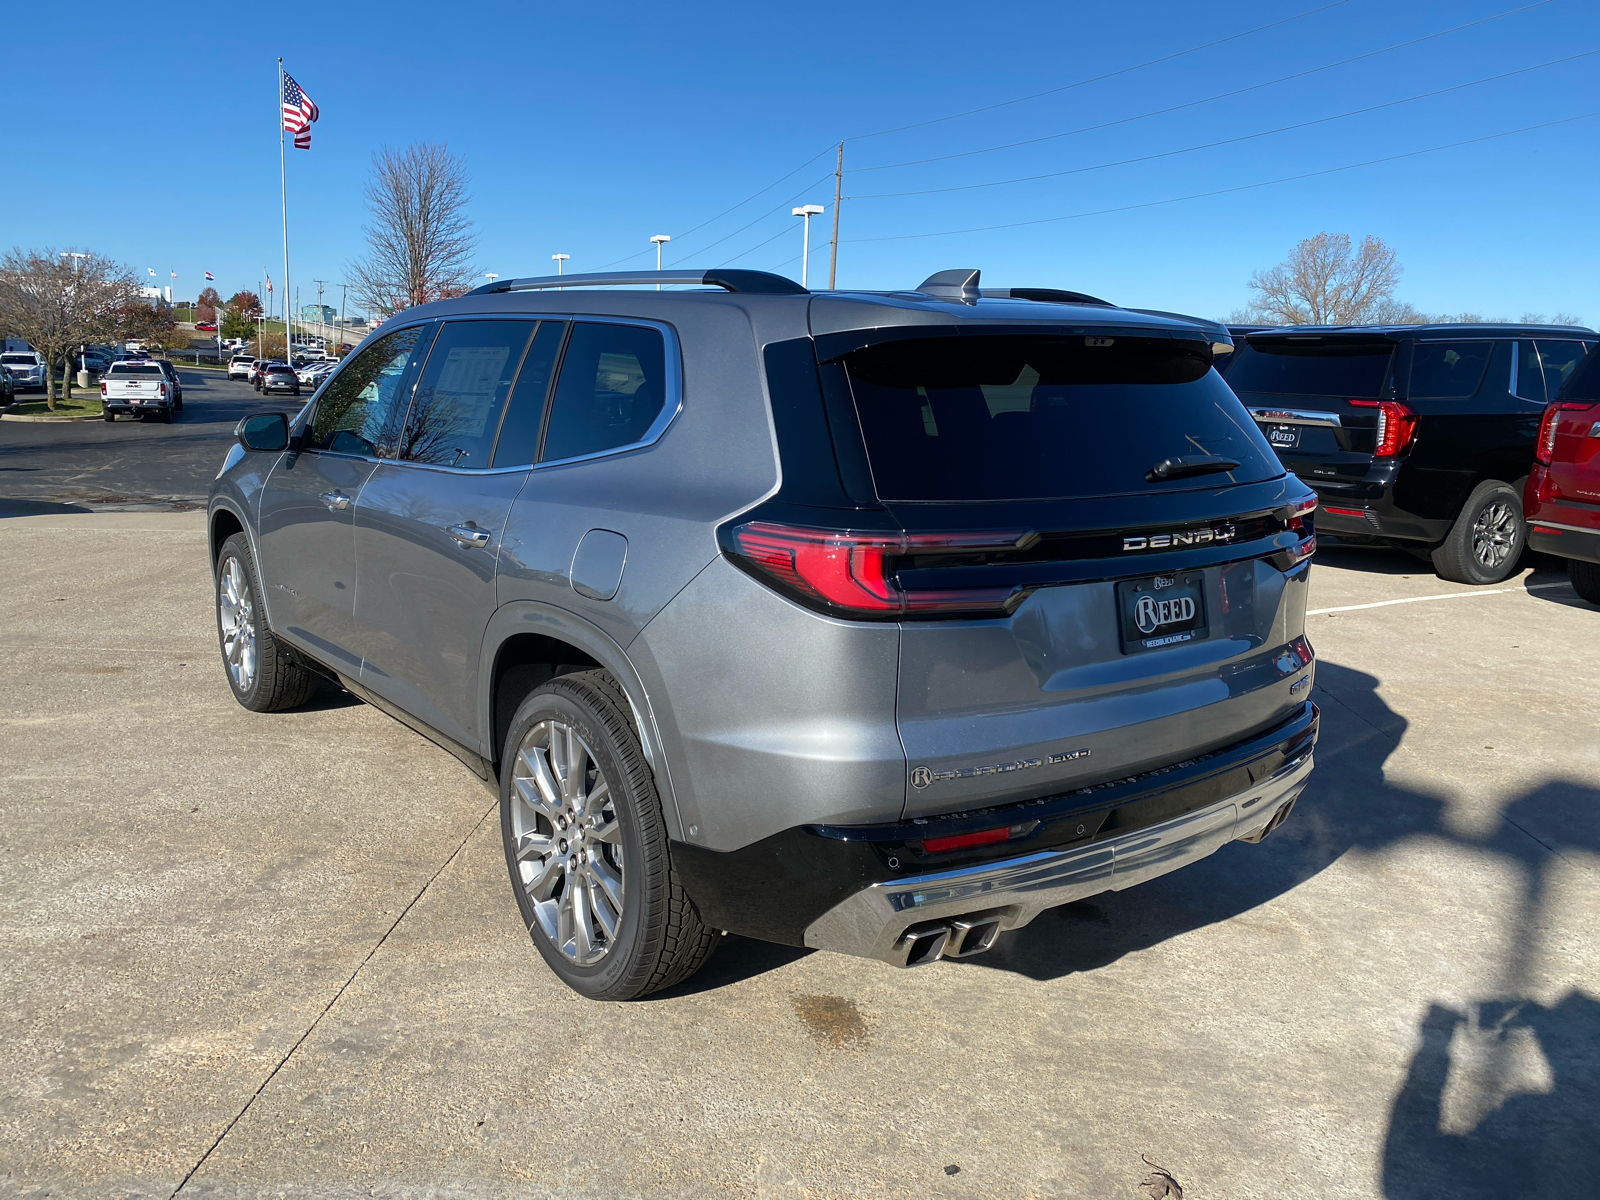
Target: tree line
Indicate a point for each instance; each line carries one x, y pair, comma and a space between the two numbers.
1328, 280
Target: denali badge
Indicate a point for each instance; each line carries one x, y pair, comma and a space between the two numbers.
1192, 537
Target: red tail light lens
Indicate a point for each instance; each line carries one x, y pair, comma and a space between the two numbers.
1544, 448
851, 572
1397, 424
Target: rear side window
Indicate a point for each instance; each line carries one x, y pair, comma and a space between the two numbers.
1448, 370
462, 392
519, 431
1004, 417
1332, 368
611, 389
1530, 375
1559, 360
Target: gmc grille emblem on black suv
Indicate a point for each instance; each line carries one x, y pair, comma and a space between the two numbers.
1193, 537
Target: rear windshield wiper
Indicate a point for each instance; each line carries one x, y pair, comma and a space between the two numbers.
1191, 464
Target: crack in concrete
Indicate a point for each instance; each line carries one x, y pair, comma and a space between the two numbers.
327, 1008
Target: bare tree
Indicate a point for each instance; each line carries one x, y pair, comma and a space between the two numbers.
420, 242
58, 302
1324, 282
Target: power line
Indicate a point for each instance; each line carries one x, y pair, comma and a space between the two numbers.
1108, 75
785, 204
1355, 112
1100, 212
1158, 112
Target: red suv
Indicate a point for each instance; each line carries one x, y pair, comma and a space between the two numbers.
1562, 499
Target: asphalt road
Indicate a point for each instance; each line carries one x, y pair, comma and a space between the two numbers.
84, 466
247, 956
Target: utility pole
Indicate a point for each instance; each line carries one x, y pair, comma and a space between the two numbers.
322, 320
838, 186
344, 288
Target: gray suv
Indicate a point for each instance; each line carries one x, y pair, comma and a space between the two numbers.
869, 622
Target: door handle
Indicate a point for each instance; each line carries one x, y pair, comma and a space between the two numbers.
469, 534
336, 501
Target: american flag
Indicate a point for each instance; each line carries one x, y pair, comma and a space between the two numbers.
209, 275
299, 110
268, 279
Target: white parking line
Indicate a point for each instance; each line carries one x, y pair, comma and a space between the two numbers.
1532, 587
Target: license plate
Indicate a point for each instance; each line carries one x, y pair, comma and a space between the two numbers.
1162, 610
1284, 437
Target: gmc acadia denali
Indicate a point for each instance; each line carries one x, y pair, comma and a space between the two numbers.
870, 622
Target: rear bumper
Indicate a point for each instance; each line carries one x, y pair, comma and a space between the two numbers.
876, 921
1564, 540
858, 888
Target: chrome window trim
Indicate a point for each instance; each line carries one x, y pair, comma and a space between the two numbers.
1296, 416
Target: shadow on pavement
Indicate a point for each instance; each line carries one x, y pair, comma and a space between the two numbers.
37, 508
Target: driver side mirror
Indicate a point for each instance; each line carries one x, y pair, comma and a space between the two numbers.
264, 431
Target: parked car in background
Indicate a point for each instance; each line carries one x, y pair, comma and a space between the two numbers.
93, 360
1562, 499
313, 374
868, 622
27, 369
206, 326
239, 366
1418, 436
132, 388
175, 383
280, 377
259, 368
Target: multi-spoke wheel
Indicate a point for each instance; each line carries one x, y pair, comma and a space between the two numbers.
263, 675
587, 845
568, 842
1486, 541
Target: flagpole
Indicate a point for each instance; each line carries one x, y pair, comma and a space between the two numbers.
283, 178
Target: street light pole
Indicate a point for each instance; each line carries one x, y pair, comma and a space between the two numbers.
660, 240
491, 276
807, 211
560, 258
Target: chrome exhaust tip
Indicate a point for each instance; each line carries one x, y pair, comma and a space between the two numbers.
972, 935
1278, 818
921, 944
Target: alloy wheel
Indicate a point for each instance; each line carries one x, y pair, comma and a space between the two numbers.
237, 609
1494, 534
568, 842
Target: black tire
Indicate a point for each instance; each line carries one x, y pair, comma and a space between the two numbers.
659, 939
166, 416
1585, 578
1486, 541
178, 406
278, 681
108, 415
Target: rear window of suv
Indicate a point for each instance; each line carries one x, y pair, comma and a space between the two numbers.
1034, 417
1319, 368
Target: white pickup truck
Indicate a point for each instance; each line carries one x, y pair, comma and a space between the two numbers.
137, 388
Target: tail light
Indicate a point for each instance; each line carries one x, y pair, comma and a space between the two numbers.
1396, 426
1297, 518
1544, 448
102, 387
852, 573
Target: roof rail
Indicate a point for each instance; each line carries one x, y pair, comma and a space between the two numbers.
1046, 296
761, 283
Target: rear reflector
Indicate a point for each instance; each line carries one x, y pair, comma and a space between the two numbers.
963, 840
1343, 512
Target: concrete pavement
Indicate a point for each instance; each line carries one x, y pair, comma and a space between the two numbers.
278, 955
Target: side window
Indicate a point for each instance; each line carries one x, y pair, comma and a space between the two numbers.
1448, 370
367, 400
1560, 360
519, 432
462, 392
612, 387
1530, 375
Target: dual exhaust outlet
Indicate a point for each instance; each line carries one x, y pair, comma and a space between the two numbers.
961, 937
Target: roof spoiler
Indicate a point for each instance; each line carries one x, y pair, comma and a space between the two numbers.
760, 283
1046, 296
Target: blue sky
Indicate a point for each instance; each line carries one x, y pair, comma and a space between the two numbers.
587, 128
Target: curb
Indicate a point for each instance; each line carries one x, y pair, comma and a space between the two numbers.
46, 418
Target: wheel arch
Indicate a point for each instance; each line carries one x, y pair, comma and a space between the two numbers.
527, 643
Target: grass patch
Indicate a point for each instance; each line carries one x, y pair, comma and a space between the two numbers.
82, 404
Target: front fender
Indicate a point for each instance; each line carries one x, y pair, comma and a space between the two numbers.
530, 616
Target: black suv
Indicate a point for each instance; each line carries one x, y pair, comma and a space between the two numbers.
1419, 436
